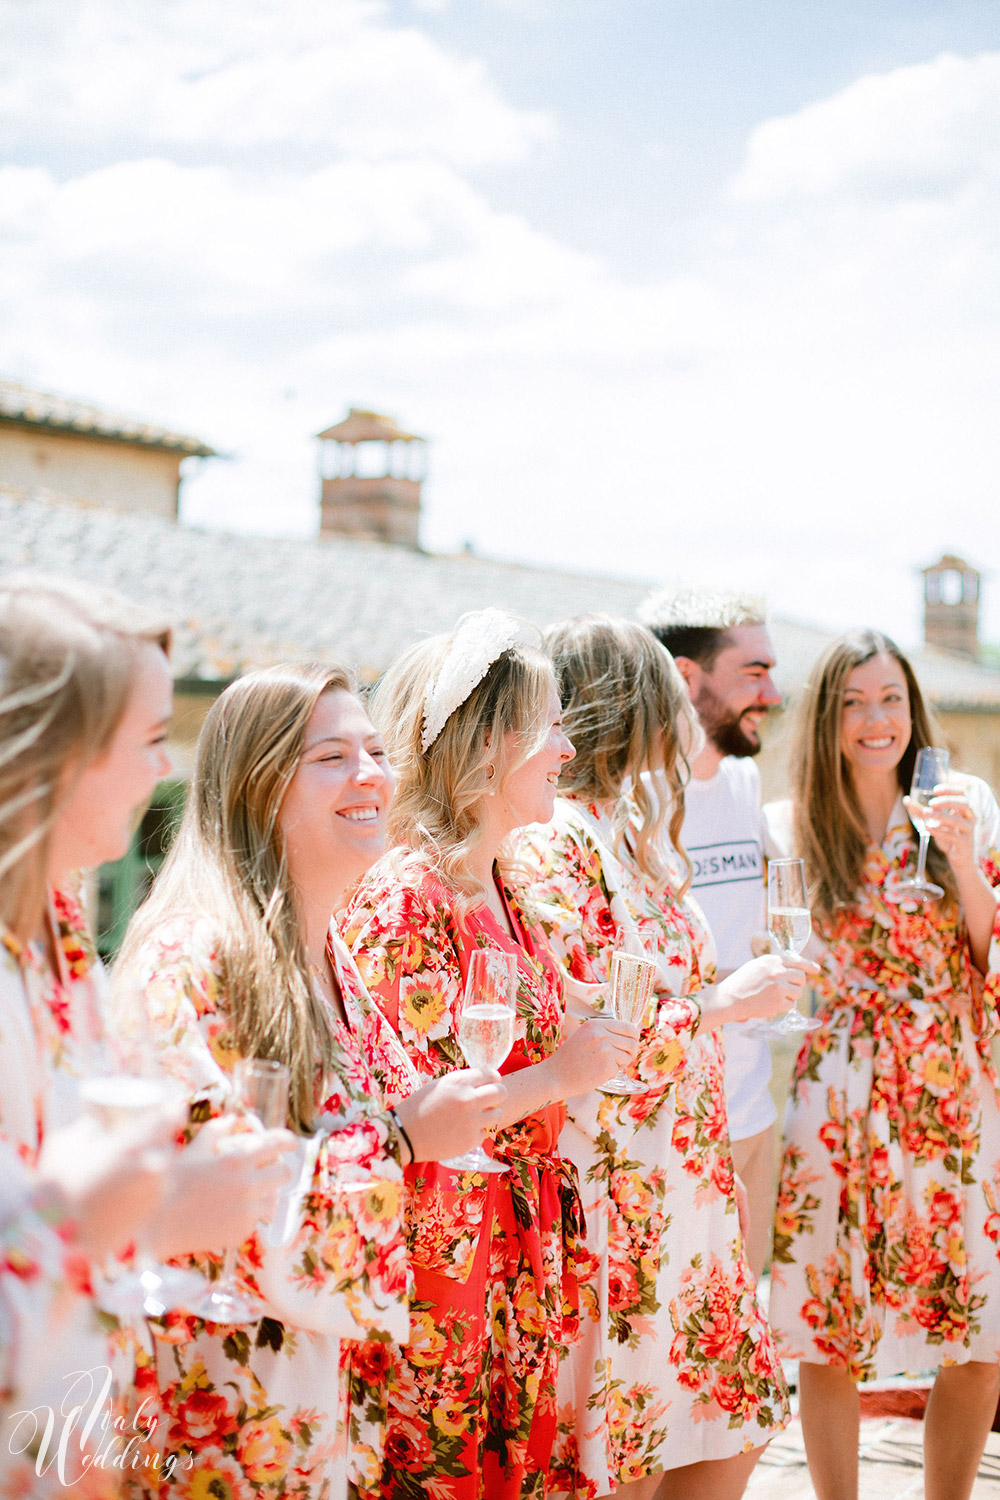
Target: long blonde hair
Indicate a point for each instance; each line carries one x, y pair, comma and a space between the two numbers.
441, 792
623, 704
68, 660
228, 864
830, 830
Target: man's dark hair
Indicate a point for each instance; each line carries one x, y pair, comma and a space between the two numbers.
697, 625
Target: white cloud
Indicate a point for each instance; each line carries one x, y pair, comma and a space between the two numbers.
915, 132
279, 76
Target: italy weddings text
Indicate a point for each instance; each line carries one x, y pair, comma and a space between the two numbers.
85, 1433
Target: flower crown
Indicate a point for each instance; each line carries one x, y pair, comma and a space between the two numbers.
480, 639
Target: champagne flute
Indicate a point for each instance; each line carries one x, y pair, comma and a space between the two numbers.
486, 1031
261, 1092
632, 976
790, 924
124, 1089
930, 770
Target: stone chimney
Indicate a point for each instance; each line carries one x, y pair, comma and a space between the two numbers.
951, 607
371, 473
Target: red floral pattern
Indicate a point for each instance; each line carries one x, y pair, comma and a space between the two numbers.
472, 1396
885, 1249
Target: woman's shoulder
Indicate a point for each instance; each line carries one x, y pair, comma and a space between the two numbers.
180, 939
402, 886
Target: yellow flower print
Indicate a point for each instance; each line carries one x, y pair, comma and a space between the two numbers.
449, 1418
421, 1008
427, 1343
265, 1452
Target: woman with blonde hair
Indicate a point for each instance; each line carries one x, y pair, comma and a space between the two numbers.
675, 1382
887, 1236
85, 700
287, 809
473, 727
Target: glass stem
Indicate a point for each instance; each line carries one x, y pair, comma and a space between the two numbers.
925, 839
228, 1276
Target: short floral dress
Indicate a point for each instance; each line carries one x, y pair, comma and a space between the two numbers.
496, 1262
246, 1413
887, 1233
675, 1363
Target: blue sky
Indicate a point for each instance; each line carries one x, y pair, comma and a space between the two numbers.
697, 291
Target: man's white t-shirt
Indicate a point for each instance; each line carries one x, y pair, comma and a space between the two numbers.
724, 839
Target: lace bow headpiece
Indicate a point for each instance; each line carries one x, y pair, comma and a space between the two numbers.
481, 637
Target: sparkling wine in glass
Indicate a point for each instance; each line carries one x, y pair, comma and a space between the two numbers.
261, 1095
789, 923
486, 1031
930, 770
632, 976
124, 1089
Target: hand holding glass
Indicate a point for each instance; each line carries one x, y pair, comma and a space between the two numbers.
790, 924
261, 1092
632, 978
486, 1031
930, 770
124, 1089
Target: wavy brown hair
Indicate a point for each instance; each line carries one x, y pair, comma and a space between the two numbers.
228, 864
68, 659
441, 791
624, 703
830, 831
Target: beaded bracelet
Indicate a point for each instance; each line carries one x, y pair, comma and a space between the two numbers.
401, 1128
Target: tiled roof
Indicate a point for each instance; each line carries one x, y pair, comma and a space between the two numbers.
238, 601
23, 407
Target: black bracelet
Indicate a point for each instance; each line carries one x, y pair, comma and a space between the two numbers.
405, 1134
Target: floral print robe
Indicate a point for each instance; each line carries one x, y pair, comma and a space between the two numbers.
887, 1233
257, 1411
496, 1260
49, 1325
675, 1363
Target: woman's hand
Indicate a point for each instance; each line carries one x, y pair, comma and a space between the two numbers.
110, 1181
951, 822
220, 1187
765, 987
593, 1054
450, 1115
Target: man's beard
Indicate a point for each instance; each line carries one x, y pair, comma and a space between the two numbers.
723, 728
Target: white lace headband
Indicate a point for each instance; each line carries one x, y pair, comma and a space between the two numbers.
480, 639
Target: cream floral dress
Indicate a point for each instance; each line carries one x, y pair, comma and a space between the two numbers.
49, 1324
262, 1411
676, 1363
887, 1235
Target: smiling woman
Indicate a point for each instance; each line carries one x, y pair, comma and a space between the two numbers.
287, 809
886, 1249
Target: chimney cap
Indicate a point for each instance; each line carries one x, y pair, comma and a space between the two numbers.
364, 426
949, 563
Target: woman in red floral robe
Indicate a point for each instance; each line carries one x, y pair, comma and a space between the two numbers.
887, 1239
472, 724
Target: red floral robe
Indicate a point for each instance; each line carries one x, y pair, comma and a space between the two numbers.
472, 1395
